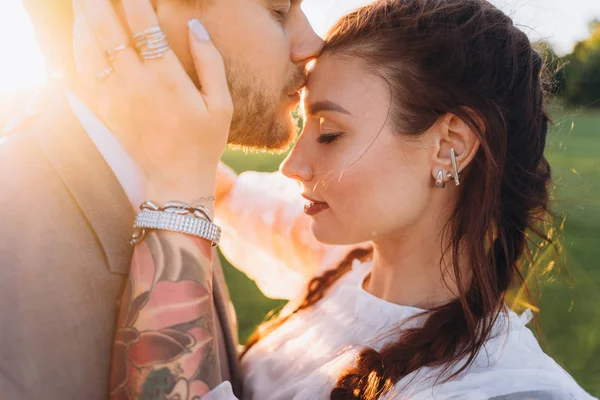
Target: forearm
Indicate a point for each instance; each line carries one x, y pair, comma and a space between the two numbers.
165, 341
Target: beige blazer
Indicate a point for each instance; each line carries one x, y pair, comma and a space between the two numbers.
65, 223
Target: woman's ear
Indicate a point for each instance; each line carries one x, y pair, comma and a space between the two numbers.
453, 132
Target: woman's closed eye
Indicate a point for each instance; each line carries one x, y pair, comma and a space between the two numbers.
329, 137
281, 13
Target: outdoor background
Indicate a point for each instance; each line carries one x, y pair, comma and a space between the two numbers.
568, 34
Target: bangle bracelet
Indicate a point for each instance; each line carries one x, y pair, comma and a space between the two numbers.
177, 217
187, 224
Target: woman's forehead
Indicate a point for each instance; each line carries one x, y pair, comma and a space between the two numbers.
345, 82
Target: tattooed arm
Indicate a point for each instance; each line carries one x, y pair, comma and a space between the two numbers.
165, 345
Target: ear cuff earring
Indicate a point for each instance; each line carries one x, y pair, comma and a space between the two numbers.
440, 179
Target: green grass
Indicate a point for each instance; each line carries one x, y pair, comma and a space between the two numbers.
250, 304
570, 316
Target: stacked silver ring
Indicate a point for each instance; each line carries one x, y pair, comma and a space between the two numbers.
151, 43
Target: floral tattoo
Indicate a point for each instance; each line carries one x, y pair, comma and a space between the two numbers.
164, 346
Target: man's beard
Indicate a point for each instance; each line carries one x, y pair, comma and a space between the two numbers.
259, 121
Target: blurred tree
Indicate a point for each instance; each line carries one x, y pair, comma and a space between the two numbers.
582, 71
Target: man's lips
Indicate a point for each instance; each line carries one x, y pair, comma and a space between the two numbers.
299, 89
313, 207
295, 97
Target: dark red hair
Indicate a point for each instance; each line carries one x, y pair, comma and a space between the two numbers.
463, 57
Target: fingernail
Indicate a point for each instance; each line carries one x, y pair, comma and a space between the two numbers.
198, 30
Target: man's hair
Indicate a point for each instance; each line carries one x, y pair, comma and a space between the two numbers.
53, 24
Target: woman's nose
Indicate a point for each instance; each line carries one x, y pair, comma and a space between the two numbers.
295, 166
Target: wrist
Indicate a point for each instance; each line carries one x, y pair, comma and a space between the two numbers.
183, 190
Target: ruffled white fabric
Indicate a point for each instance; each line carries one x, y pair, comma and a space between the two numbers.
267, 236
222, 392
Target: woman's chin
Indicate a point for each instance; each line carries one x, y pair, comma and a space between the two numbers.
321, 233
325, 233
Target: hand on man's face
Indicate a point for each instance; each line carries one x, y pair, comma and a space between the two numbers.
266, 45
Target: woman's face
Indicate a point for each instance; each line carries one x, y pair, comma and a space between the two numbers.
365, 180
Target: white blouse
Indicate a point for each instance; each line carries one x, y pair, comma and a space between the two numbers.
267, 236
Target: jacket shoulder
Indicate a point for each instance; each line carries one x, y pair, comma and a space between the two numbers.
23, 165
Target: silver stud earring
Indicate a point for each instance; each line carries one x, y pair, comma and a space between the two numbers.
439, 180
456, 175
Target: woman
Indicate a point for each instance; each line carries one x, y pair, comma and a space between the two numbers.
422, 163
420, 313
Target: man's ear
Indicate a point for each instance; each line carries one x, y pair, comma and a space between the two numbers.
453, 132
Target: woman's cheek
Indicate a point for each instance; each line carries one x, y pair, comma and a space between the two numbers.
349, 196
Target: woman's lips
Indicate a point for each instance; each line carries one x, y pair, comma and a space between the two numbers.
315, 207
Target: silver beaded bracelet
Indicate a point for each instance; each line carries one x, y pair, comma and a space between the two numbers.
175, 217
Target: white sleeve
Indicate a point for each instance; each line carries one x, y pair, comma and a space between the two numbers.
515, 384
266, 235
221, 392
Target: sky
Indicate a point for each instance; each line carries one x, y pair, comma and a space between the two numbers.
561, 22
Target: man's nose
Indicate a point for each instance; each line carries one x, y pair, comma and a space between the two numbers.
306, 45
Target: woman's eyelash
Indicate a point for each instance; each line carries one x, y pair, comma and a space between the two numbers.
327, 138
281, 14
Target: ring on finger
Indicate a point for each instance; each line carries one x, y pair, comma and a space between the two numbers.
111, 53
151, 43
154, 53
102, 76
148, 33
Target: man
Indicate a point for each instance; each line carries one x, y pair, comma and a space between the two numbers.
69, 192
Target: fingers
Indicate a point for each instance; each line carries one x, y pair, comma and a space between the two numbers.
209, 67
109, 32
140, 15
89, 56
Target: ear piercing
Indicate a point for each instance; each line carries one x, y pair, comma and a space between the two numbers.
439, 179
456, 175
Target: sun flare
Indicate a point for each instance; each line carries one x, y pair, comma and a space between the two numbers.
22, 67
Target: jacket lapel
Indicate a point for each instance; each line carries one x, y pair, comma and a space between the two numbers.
89, 179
